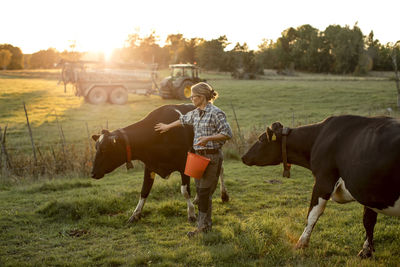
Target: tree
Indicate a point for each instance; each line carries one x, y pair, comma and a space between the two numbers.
395, 52
5, 58
346, 47
44, 59
211, 54
175, 45
266, 54
17, 58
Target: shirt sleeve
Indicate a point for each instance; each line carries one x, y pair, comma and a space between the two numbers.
187, 118
222, 124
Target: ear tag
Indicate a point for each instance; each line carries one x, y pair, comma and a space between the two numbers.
273, 137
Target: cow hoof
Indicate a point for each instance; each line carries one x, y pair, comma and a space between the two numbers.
300, 245
365, 253
192, 219
134, 218
224, 197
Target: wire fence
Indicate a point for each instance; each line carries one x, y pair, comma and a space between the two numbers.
56, 151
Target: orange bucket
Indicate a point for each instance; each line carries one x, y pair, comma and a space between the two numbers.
196, 165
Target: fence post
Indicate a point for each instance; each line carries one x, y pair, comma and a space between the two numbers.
33, 144
62, 137
4, 161
90, 147
237, 124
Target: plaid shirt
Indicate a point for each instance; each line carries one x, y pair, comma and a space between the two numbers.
210, 122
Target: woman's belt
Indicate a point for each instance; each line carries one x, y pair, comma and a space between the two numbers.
207, 151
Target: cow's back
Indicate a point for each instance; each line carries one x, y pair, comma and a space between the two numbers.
165, 152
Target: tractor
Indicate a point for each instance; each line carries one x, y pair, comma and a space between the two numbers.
177, 86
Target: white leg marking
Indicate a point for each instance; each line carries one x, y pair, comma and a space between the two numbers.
138, 211
340, 193
366, 251
190, 206
311, 221
391, 211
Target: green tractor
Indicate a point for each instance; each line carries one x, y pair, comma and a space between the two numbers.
177, 86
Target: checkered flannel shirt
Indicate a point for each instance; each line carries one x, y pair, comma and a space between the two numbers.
210, 122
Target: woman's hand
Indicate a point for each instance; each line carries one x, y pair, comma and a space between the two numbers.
161, 127
203, 141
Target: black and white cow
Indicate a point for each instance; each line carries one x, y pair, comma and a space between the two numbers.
162, 154
351, 158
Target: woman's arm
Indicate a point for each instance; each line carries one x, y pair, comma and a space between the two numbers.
217, 137
162, 127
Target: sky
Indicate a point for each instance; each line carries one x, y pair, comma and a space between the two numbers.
101, 26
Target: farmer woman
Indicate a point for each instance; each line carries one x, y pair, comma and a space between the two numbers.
211, 130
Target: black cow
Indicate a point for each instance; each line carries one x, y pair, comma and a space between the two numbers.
351, 158
162, 154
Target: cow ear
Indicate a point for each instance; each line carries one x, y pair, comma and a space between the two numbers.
95, 137
270, 135
277, 128
105, 132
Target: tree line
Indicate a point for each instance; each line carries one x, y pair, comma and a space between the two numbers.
337, 49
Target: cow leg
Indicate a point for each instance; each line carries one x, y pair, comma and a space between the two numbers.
320, 196
224, 193
369, 220
185, 190
148, 181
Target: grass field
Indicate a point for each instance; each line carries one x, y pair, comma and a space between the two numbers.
76, 221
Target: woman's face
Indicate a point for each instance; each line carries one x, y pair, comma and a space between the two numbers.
198, 100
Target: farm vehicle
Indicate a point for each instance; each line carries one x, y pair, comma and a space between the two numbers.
178, 84
98, 84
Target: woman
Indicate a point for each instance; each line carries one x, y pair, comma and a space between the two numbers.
211, 130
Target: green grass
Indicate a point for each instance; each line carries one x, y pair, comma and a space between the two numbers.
76, 221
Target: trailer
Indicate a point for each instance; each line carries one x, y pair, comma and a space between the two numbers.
99, 83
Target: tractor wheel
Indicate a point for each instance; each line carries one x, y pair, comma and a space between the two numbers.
166, 92
118, 96
98, 95
184, 91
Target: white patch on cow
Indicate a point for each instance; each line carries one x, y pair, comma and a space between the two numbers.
101, 138
190, 206
312, 219
340, 193
391, 211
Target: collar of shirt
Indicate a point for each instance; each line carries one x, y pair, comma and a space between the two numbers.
206, 109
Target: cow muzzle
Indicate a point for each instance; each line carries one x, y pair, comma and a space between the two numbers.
246, 160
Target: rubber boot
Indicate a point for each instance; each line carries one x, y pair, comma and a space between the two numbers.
201, 226
208, 221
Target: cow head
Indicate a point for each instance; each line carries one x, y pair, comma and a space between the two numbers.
110, 153
267, 150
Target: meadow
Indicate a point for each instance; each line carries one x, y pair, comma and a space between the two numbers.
72, 220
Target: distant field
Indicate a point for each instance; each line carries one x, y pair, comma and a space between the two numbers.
40, 221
